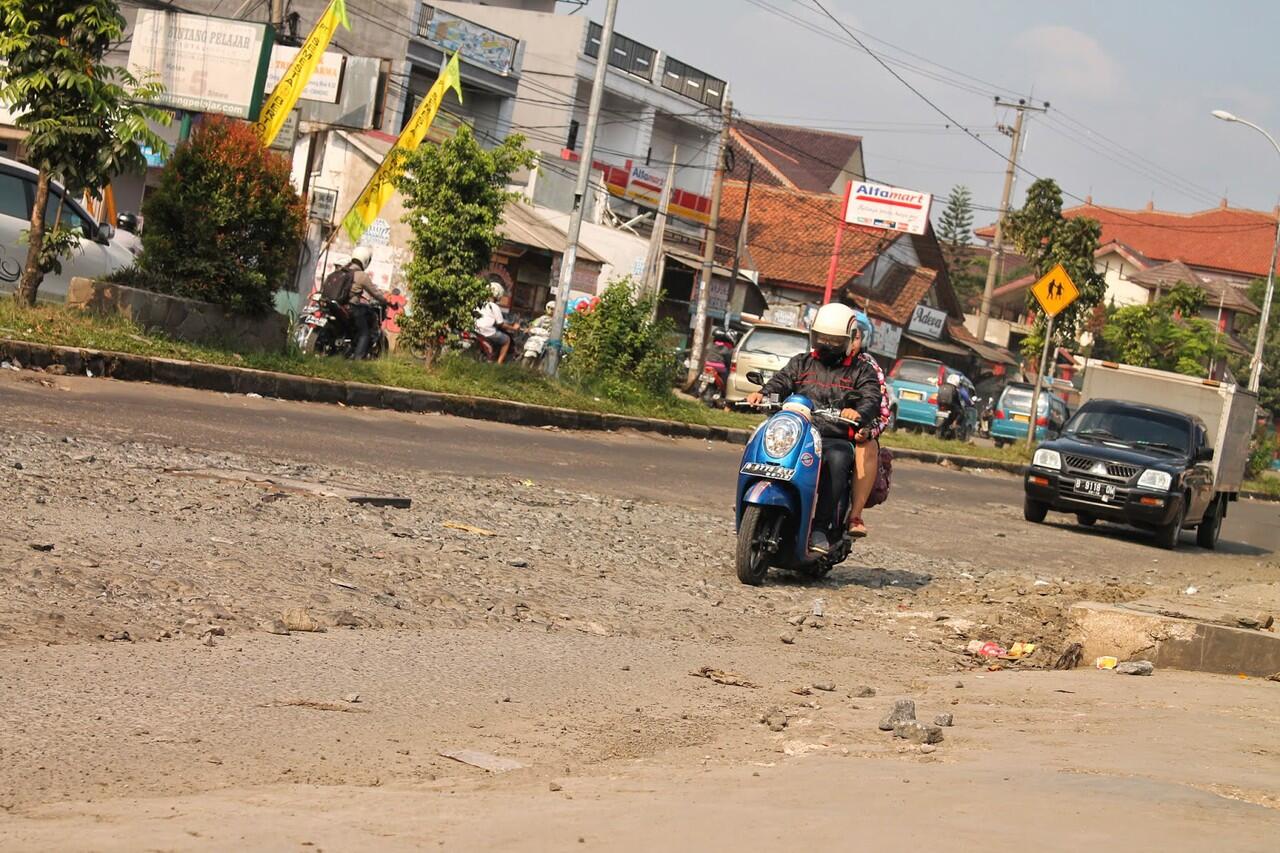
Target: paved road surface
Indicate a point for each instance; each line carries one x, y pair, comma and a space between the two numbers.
687, 471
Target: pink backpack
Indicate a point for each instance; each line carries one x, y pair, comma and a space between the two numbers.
880, 491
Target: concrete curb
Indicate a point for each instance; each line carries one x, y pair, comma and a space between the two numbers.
285, 386
243, 380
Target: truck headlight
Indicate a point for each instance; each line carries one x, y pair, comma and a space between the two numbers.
781, 436
1158, 480
1046, 458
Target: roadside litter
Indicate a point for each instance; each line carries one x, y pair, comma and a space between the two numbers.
483, 760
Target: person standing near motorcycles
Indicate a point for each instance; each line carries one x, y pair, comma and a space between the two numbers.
366, 301
833, 376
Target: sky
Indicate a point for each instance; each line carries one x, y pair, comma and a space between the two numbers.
1130, 86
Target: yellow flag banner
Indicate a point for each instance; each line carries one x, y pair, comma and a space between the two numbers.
283, 98
381, 186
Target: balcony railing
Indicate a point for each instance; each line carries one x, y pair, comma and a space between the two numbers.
625, 54
478, 45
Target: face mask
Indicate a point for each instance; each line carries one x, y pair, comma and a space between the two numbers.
829, 355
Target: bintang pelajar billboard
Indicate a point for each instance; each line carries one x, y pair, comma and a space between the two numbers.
206, 64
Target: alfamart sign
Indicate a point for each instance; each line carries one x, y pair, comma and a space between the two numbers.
890, 208
207, 65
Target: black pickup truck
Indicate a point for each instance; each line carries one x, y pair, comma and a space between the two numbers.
1130, 463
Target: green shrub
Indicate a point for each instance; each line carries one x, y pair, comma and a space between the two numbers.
618, 349
1261, 452
224, 223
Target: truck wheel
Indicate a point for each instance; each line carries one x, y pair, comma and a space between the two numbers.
1210, 526
1086, 520
1034, 511
1167, 536
752, 561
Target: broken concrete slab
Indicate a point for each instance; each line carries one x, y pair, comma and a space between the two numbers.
1171, 641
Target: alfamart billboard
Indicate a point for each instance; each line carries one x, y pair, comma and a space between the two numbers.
207, 65
890, 208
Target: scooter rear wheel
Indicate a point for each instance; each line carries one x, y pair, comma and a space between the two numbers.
752, 559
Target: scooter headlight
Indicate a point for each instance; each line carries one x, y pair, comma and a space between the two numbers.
781, 435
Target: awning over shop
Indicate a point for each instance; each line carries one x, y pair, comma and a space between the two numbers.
522, 224
993, 353
937, 346
694, 262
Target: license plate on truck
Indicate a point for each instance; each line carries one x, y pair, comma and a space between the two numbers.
1104, 491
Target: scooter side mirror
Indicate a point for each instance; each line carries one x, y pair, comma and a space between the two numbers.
755, 377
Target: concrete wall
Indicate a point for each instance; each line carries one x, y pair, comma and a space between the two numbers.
182, 319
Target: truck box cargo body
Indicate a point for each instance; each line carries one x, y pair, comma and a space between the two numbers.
1228, 411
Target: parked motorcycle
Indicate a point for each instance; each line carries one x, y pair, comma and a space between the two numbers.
713, 382
777, 495
326, 328
986, 414
535, 345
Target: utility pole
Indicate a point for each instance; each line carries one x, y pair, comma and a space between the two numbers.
277, 16
741, 243
570, 256
651, 281
997, 245
709, 255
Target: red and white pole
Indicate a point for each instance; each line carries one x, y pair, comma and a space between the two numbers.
835, 250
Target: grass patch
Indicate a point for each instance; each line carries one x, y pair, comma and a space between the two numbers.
932, 444
61, 326
1268, 484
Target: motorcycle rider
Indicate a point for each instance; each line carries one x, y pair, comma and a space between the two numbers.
492, 325
128, 232
540, 333
831, 377
866, 442
950, 400
365, 302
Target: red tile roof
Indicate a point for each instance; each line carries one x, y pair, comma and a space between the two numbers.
1217, 291
1229, 239
790, 235
793, 157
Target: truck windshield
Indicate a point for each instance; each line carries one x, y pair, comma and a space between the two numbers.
1138, 428
776, 342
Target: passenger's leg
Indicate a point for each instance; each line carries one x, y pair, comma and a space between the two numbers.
867, 455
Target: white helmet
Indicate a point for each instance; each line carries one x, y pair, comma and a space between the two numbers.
362, 256
497, 290
551, 306
832, 330
954, 379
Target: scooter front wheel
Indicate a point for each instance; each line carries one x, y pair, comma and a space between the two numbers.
752, 559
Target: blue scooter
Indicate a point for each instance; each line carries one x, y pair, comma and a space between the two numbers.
778, 495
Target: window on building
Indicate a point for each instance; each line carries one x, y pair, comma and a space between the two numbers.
692, 83
571, 142
626, 54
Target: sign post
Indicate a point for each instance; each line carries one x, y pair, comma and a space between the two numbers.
1054, 291
835, 250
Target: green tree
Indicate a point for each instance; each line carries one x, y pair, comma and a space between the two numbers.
85, 119
454, 194
224, 223
1167, 334
619, 349
1045, 237
1247, 332
954, 230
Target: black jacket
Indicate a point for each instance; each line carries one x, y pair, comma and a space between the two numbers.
852, 384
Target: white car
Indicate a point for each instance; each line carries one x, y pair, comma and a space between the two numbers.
97, 256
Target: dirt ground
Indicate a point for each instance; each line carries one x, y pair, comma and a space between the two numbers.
156, 691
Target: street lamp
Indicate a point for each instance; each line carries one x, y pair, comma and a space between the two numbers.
1255, 373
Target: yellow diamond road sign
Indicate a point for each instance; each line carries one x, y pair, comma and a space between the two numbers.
1055, 291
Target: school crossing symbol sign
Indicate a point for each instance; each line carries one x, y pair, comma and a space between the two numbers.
1055, 291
